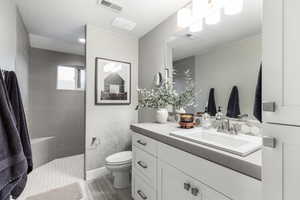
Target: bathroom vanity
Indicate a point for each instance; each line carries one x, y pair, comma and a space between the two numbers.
166, 167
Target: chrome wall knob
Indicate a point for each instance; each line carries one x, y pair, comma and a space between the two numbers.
187, 186
195, 191
142, 142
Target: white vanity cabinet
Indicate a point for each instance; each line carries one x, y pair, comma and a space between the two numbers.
281, 61
162, 172
281, 86
174, 184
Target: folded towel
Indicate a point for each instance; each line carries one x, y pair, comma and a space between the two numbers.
233, 108
13, 164
258, 97
211, 107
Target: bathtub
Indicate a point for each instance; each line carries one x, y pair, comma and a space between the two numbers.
43, 150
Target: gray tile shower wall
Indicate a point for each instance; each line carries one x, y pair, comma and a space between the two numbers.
58, 113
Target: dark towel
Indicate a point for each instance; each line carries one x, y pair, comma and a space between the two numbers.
13, 164
258, 97
211, 107
15, 98
233, 108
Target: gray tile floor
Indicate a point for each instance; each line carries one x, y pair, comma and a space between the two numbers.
102, 189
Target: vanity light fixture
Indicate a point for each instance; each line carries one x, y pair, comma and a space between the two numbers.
199, 9
196, 27
214, 17
192, 16
184, 17
232, 7
214, 12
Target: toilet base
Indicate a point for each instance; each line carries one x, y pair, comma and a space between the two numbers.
121, 179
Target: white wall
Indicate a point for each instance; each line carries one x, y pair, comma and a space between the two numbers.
110, 123
152, 57
8, 34
235, 63
14, 46
22, 61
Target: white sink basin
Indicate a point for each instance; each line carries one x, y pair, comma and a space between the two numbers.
241, 145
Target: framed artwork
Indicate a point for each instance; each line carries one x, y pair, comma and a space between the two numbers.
112, 82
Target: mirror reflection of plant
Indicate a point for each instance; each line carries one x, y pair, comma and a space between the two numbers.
187, 98
166, 95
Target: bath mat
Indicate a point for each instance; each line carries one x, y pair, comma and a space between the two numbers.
102, 189
68, 192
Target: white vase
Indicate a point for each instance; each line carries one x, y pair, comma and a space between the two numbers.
162, 115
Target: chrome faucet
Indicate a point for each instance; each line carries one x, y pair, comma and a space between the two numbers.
243, 117
225, 127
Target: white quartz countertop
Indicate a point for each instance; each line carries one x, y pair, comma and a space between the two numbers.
249, 165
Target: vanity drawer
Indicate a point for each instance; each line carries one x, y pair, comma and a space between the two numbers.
142, 191
145, 143
145, 164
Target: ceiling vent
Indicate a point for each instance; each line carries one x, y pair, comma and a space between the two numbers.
123, 23
111, 5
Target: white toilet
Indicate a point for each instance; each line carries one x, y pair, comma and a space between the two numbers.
119, 165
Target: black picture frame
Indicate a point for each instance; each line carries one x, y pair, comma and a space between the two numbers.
100, 101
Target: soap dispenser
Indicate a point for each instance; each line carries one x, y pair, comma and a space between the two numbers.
206, 119
219, 115
219, 118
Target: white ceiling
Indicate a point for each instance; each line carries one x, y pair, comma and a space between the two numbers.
231, 28
64, 20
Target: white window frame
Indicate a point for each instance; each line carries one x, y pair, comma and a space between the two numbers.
77, 77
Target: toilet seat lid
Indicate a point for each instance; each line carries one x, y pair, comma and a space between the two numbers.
119, 158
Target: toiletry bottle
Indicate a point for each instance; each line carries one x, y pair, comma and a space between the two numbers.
206, 120
219, 115
219, 118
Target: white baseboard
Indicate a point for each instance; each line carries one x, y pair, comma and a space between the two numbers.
96, 173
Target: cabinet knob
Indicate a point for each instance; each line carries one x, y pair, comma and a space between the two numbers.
142, 142
269, 106
195, 191
187, 186
269, 142
142, 164
142, 195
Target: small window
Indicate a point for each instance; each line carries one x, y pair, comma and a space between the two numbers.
70, 78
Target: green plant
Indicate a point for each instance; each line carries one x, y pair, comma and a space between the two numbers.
166, 95
156, 98
188, 97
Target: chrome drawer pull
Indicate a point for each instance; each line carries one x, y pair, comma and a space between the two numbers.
187, 186
269, 142
269, 106
142, 164
142, 142
195, 191
142, 195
